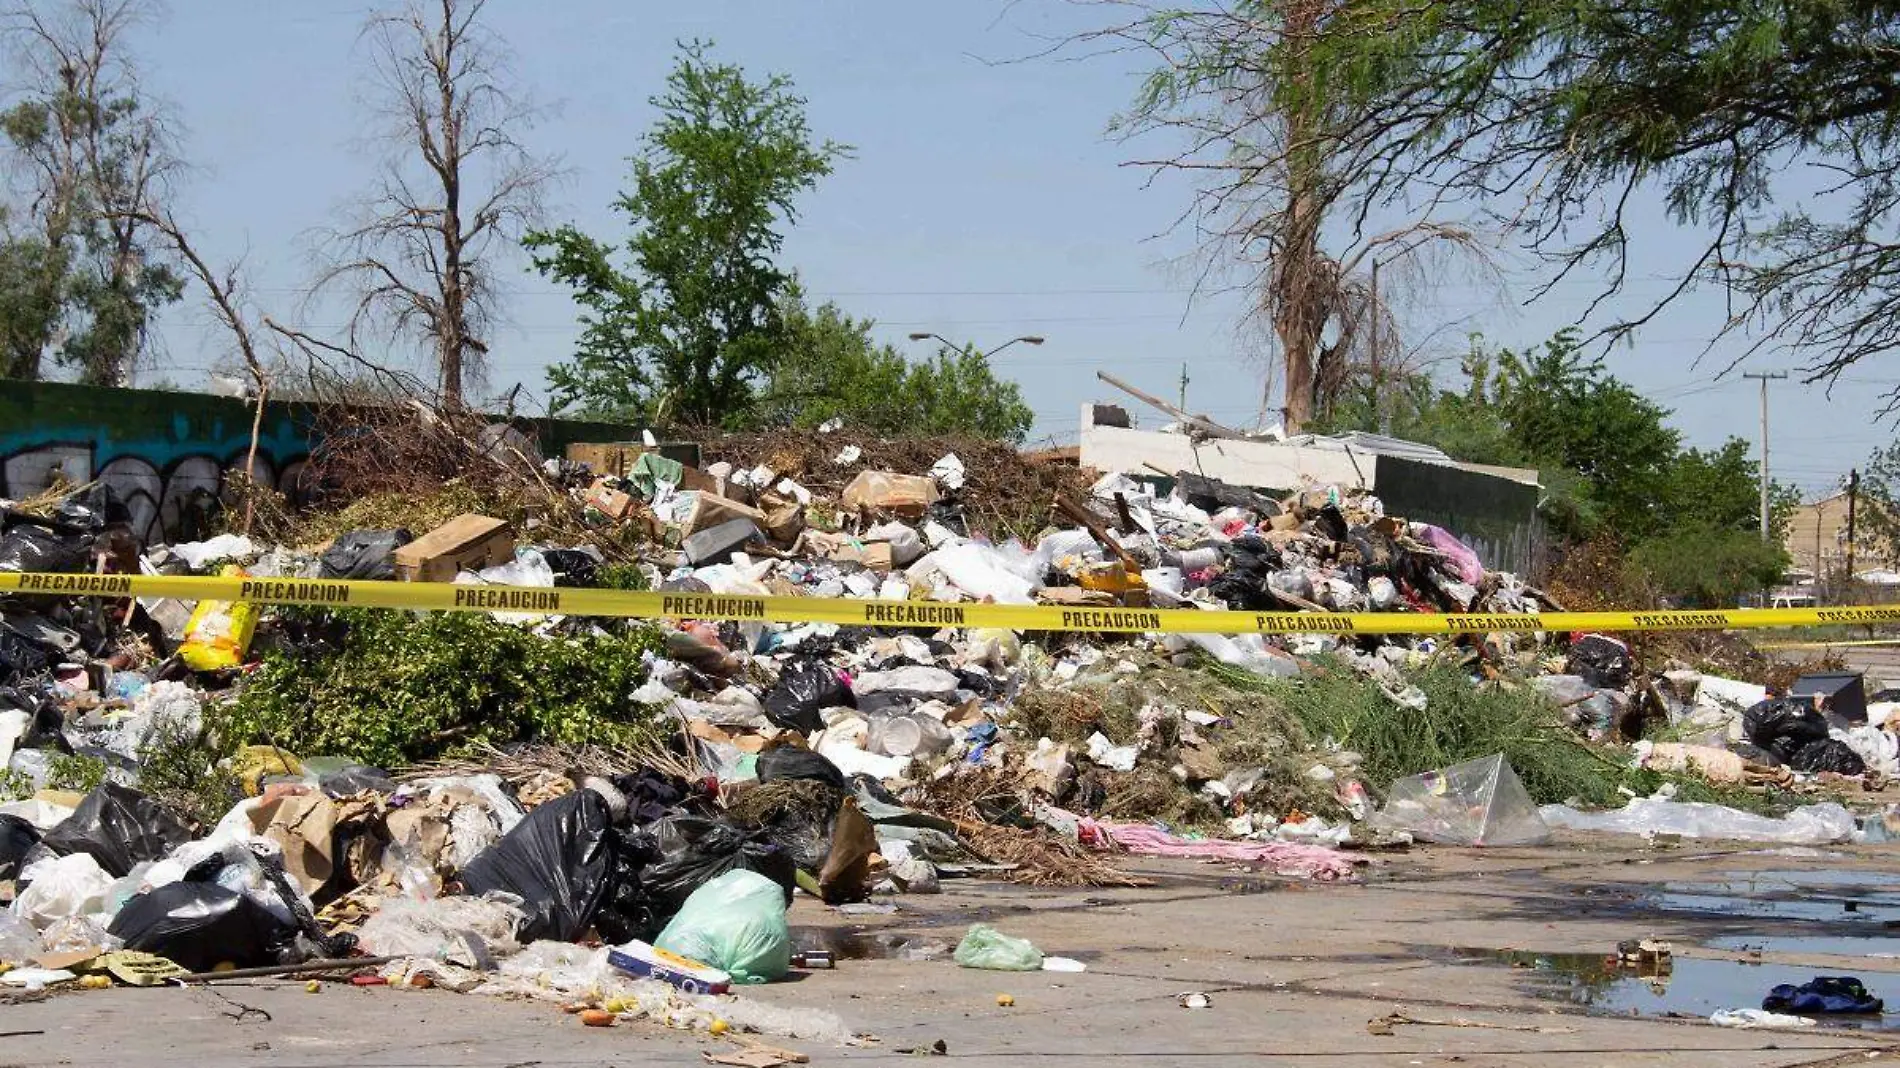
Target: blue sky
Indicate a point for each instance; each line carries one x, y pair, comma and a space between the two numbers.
984, 201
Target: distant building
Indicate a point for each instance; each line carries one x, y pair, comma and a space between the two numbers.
1817, 541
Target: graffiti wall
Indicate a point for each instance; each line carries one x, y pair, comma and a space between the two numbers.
165, 453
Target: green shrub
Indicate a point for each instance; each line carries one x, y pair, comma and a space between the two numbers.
185, 772
70, 771
401, 688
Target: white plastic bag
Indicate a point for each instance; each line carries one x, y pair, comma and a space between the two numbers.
61, 888
1821, 824
978, 571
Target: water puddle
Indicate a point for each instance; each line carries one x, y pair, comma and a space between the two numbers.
1861, 897
1688, 987
1872, 946
845, 944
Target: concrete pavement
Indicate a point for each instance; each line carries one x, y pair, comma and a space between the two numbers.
1294, 973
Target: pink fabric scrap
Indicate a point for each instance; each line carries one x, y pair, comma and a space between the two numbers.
1286, 858
1457, 553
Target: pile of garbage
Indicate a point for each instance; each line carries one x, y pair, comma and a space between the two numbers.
759, 760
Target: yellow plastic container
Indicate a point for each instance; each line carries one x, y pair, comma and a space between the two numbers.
218, 635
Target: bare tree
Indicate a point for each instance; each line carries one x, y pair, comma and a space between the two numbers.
228, 296
456, 189
87, 153
1275, 190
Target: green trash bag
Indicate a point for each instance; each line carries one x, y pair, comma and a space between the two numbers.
735, 923
987, 947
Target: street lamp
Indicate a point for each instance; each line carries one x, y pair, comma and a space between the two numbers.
1027, 339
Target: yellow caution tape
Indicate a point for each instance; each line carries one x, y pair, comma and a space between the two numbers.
444, 597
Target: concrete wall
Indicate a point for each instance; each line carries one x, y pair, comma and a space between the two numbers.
1494, 510
1265, 465
161, 449
1497, 517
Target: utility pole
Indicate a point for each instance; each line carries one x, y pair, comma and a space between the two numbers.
1853, 499
1765, 377
1184, 384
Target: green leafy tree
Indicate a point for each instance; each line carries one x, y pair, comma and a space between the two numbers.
1703, 566
1689, 518
1720, 488
1465, 422
31, 277
80, 277
830, 368
1583, 107
688, 330
1274, 179
1877, 521
1566, 410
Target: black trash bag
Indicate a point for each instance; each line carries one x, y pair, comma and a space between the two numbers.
798, 762
1824, 995
1331, 522
805, 839
628, 912
119, 827
888, 703
17, 839
1784, 726
1242, 583
20, 659
1828, 755
1754, 754
356, 778
29, 548
1211, 495
1603, 662
866, 786
93, 508
696, 850
309, 941
363, 554
804, 688
45, 715
559, 860
1379, 552
1253, 554
573, 567
200, 925
981, 683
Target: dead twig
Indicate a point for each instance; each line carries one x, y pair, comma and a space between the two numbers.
1384, 1025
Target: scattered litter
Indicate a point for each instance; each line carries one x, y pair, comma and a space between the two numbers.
1751, 1019
987, 948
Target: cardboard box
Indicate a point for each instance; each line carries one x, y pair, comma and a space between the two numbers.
618, 458
643, 961
710, 510
608, 501
883, 492
467, 542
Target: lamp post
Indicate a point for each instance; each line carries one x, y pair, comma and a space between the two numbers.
1027, 339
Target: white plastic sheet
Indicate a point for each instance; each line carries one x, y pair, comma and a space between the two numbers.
1479, 802
1821, 824
198, 554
